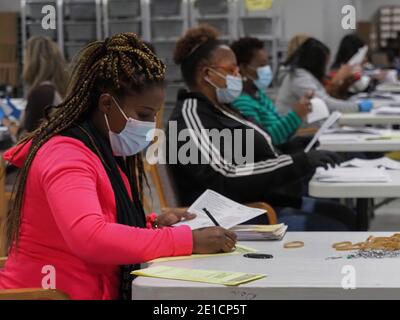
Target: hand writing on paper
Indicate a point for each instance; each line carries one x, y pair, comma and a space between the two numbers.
213, 240
170, 216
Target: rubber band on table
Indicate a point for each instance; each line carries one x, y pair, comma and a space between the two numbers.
293, 244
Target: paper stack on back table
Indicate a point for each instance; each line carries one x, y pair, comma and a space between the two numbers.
383, 162
387, 110
357, 134
352, 175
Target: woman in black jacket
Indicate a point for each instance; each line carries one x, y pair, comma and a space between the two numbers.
245, 166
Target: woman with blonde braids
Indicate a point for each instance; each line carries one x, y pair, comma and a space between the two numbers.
77, 201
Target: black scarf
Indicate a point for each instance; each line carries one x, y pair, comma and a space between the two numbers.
128, 212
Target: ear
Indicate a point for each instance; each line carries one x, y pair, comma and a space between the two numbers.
244, 70
105, 103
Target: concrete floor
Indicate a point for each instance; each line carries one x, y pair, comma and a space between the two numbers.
387, 218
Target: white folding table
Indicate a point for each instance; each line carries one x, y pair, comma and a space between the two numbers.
361, 191
303, 273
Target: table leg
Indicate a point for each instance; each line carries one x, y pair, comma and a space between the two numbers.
362, 214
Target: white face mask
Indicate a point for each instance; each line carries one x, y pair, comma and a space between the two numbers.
234, 87
136, 136
264, 77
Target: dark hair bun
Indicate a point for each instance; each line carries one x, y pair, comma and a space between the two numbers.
192, 39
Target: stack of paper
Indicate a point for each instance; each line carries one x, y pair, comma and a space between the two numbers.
387, 110
337, 137
226, 278
383, 162
239, 249
260, 232
348, 129
389, 88
352, 175
358, 134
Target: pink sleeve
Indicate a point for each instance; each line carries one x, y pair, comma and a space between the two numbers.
69, 180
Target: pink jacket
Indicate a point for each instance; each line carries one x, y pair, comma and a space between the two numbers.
69, 223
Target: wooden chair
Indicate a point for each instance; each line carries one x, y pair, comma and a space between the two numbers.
33, 294
2, 261
306, 131
5, 198
30, 293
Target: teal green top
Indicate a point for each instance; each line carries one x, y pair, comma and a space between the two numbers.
263, 111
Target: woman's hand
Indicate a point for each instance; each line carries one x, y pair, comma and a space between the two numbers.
170, 216
344, 73
213, 240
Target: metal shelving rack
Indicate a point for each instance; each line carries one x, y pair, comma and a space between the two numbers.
82, 24
264, 25
125, 15
221, 14
168, 20
78, 22
31, 19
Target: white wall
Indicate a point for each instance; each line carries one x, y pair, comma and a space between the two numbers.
320, 18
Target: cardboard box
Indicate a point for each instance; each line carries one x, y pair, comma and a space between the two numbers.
8, 53
9, 28
9, 74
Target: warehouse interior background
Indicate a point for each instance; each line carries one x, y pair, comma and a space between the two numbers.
161, 22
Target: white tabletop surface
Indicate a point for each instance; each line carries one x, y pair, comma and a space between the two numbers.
357, 190
360, 144
302, 273
361, 119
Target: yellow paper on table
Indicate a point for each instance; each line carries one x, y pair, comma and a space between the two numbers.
254, 5
240, 249
208, 276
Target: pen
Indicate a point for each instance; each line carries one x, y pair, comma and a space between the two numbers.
211, 217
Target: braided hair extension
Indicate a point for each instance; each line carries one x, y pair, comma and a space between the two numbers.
119, 64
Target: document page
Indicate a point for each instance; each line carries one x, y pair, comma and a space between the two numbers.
226, 212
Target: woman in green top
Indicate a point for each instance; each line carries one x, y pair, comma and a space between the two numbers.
252, 59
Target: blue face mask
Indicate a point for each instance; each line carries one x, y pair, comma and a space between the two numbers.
136, 136
234, 87
264, 77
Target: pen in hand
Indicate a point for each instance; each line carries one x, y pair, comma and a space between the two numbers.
211, 217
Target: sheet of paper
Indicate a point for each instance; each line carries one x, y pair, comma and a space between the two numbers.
208, 276
383, 162
389, 87
387, 110
319, 111
326, 125
335, 138
359, 57
240, 249
352, 175
350, 130
225, 211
